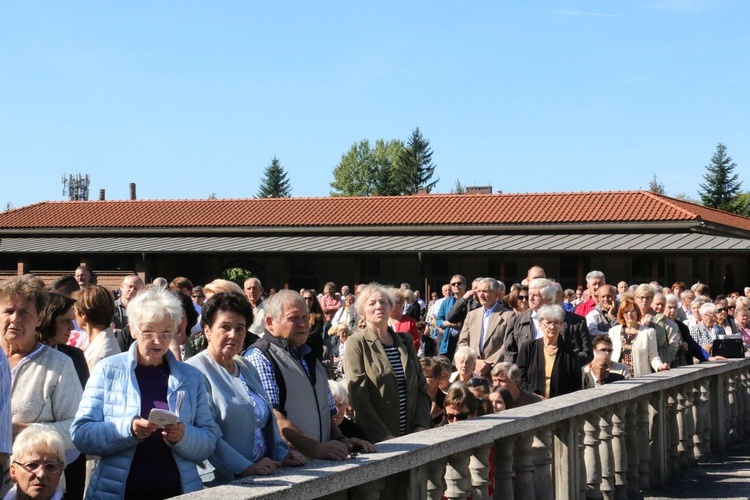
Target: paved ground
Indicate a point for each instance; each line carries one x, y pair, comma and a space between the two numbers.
726, 478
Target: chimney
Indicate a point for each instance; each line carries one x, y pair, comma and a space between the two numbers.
132, 190
101, 195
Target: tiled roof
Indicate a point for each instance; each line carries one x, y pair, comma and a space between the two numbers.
422, 210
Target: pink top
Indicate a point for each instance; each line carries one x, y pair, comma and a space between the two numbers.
330, 305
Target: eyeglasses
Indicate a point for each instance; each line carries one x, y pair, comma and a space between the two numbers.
479, 382
458, 283
33, 467
721, 310
163, 337
522, 297
550, 324
451, 417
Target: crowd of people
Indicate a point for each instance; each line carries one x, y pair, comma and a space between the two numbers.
162, 389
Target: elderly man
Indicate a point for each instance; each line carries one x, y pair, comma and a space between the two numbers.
707, 330
296, 382
83, 276
686, 299
451, 329
484, 328
129, 288
600, 319
253, 290
534, 272
508, 375
524, 327
594, 280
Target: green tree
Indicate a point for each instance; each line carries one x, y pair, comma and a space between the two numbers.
416, 167
655, 186
238, 275
275, 183
722, 185
458, 188
366, 170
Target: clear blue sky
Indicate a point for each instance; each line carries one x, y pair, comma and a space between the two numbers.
190, 98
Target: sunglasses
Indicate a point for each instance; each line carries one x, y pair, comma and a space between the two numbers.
522, 297
721, 310
457, 417
479, 382
458, 283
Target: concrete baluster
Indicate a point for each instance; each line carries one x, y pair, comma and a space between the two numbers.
435, 473
687, 391
504, 468
542, 455
732, 408
458, 476
369, 491
620, 452
606, 455
676, 431
698, 418
746, 398
591, 457
739, 398
524, 467
633, 443
479, 466
706, 411
644, 469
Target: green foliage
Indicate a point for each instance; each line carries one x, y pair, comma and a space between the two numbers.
458, 188
367, 171
416, 165
722, 186
237, 274
275, 183
743, 201
656, 187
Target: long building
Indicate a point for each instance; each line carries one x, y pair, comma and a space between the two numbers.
423, 239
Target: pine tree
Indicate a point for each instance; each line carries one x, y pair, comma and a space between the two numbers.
722, 186
458, 188
275, 183
415, 166
656, 187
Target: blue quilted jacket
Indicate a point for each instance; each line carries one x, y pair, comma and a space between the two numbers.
111, 401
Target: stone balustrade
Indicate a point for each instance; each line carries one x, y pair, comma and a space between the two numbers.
610, 443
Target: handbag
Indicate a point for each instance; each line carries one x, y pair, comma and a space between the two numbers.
729, 348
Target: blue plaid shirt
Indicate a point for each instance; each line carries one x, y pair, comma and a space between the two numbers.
267, 377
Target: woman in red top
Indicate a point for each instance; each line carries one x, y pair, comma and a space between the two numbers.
398, 321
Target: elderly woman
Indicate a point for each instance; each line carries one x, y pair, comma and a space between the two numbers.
124, 399
465, 360
741, 317
36, 465
250, 444
707, 330
548, 367
196, 342
634, 344
45, 387
342, 418
400, 322
93, 309
667, 337
386, 384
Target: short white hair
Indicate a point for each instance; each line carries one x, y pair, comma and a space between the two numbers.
35, 439
338, 391
467, 352
595, 275
707, 308
154, 305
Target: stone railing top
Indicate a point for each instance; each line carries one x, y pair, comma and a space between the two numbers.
319, 478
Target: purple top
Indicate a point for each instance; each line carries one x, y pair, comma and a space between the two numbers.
153, 472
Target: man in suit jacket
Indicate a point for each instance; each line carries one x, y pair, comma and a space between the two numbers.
484, 327
598, 372
524, 327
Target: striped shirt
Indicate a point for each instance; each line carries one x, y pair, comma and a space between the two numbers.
6, 426
394, 357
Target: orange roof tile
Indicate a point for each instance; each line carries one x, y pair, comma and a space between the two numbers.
424, 210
